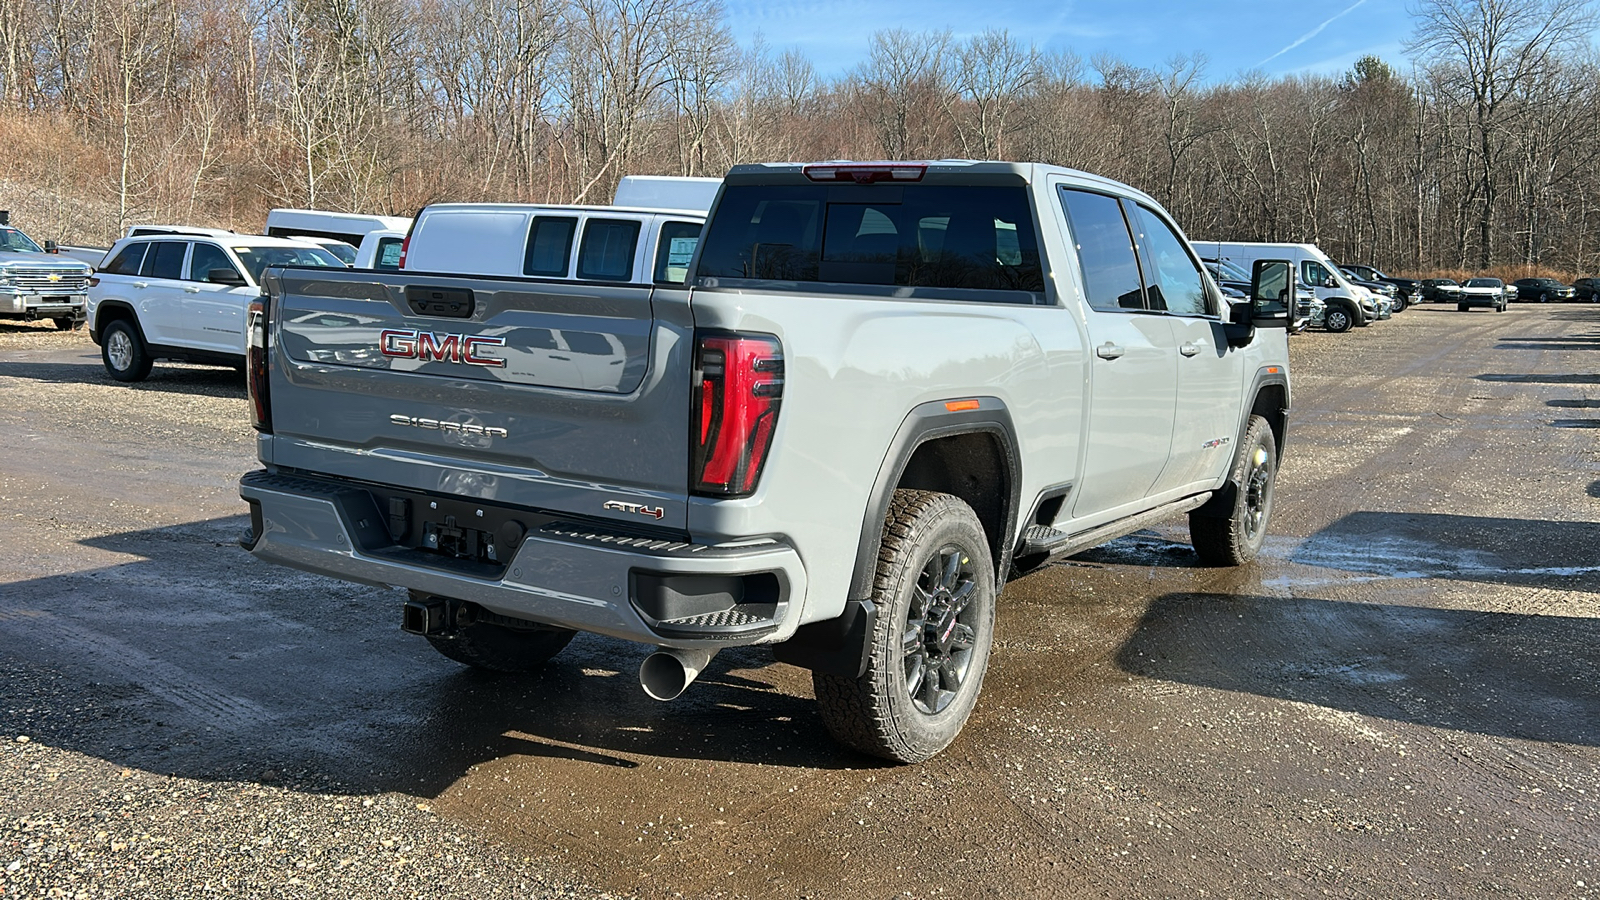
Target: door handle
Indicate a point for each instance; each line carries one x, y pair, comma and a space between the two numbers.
1190, 349
191, 289
141, 284
1109, 350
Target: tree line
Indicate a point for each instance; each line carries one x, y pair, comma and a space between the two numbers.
1479, 152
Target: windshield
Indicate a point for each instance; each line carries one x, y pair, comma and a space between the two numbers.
1226, 270
1483, 282
256, 259
14, 241
345, 252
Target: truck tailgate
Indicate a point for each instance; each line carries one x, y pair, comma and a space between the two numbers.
545, 395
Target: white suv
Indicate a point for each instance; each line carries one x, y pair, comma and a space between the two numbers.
183, 297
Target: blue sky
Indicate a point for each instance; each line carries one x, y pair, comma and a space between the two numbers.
1309, 36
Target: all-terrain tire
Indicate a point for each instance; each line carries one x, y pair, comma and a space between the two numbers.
125, 356
1230, 529
935, 592
500, 649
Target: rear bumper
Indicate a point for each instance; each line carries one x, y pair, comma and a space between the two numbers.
659, 591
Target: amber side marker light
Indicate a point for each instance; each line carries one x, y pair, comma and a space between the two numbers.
961, 405
1273, 370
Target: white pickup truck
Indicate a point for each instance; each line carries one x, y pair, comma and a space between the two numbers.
884, 390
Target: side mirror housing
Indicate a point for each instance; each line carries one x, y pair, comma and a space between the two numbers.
225, 276
51, 247
1271, 293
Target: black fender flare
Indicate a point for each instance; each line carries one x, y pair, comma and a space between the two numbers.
841, 646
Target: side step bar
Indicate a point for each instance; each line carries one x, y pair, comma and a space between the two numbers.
1045, 543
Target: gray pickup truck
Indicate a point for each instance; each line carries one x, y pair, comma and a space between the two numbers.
884, 390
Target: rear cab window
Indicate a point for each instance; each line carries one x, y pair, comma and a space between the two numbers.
943, 241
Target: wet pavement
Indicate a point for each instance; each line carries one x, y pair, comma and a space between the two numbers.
1401, 699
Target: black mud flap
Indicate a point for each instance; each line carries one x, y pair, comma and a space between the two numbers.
835, 647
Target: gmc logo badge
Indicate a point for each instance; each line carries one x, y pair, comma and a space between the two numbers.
405, 343
655, 512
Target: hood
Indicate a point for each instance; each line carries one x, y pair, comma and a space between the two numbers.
14, 260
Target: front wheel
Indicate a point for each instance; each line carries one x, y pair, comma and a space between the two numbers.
1230, 529
123, 353
934, 589
1337, 319
1462, 307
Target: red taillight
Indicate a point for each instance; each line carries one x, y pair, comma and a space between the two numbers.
404, 246
865, 173
256, 365
739, 389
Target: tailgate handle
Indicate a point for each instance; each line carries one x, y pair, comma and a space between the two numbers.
450, 303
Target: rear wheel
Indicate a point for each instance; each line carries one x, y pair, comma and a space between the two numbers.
1462, 307
67, 323
1230, 529
934, 590
123, 353
501, 649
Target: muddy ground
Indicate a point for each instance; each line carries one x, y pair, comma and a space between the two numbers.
1402, 699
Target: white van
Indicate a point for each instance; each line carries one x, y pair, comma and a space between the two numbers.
1348, 305
667, 192
573, 243
347, 227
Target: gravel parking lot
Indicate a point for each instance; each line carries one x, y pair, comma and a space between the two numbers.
1401, 700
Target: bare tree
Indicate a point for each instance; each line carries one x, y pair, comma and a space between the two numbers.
1490, 50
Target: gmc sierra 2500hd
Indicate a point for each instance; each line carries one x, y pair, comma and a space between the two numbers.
885, 389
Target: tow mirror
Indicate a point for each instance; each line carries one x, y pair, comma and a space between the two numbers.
51, 247
1271, 293
225, 276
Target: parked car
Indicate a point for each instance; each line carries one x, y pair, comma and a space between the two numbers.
1542, 290
183, 297
346, 251
1440, 290
1409, 288
570, 243
347, 227
1397, 302
1488, 292
1587, 289
35, 284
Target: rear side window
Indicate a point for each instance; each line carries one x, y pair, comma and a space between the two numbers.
165, 259
968, 238
128, 261
549, 246
607, 251
1105, 250
205, 258
674, 250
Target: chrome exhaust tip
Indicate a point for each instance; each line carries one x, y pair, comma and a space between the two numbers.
667, 673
